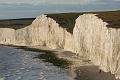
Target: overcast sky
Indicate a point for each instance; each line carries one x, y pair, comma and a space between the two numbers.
59, 1
33, 8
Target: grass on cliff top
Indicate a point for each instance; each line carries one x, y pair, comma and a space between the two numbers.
48, 56
16, 23
67, 20
111, 17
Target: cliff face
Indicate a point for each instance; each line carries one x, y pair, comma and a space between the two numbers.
45, 31
97, 42
7, 36
91, 38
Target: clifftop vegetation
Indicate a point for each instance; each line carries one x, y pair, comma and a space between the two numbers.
65, 20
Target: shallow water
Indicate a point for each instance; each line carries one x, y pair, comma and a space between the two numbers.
17, 64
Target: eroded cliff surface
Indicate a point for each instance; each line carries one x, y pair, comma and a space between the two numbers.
7, 36
98, 42
89, 37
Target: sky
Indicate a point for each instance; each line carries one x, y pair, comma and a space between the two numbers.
32, 8
48, 1
82, 2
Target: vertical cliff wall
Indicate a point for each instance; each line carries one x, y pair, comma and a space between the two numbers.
7, 36
45, 31
93, 39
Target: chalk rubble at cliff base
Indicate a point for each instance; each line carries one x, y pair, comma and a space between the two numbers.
90, 38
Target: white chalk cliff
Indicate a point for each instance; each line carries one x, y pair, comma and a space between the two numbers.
91, 38
7, 36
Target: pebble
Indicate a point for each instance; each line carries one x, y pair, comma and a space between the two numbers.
27, 70
17, 71
22, 68
18, 78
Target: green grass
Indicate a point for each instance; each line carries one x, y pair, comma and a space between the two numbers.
16, 23
48, 56
111, 17
65, 20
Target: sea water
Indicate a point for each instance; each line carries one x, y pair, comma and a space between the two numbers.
17, 64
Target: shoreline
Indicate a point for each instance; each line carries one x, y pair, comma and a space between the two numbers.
81, 69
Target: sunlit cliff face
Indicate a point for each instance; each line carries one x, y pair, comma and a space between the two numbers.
91, 38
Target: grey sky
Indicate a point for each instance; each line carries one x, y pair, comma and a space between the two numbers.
32, 8
57, 1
